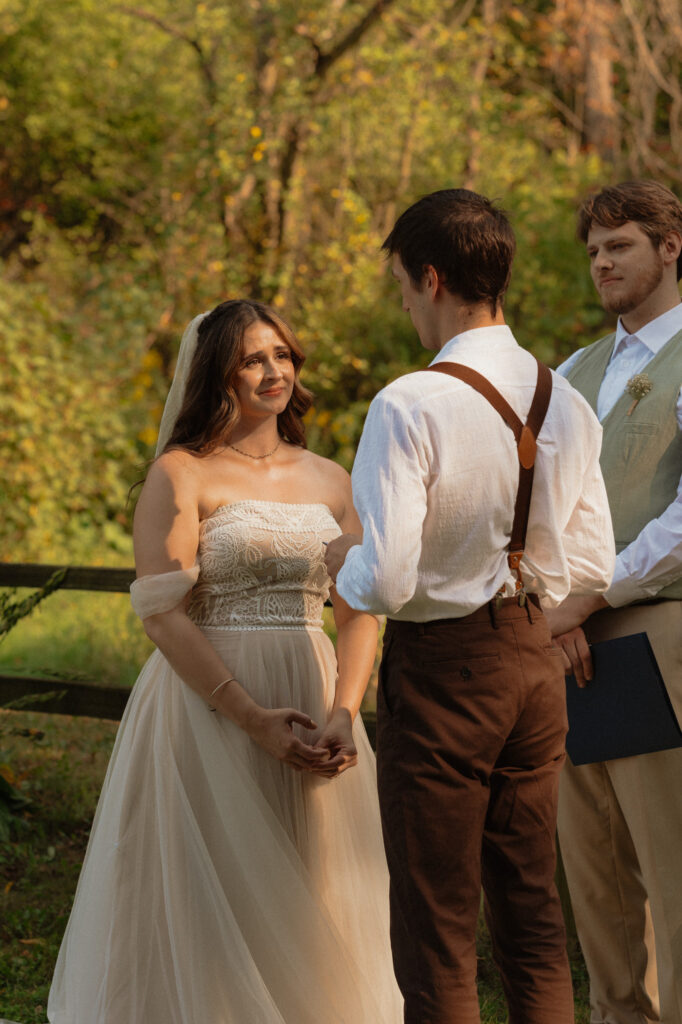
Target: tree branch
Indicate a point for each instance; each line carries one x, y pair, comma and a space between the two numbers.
154, 19
205, 63
644, 52
324, 61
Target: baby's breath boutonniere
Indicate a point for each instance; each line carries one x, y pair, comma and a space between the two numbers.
638, 386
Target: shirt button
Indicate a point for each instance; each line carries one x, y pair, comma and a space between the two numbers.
465, 672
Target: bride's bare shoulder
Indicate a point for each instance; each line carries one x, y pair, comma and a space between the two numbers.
327, 470
166, 523
177, 457
176, 462
173, 474
332, 484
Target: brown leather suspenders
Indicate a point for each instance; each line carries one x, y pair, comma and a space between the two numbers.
526, 446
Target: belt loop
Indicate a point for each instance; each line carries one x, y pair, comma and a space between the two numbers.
492, 611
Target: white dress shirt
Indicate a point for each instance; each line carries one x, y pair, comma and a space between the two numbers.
654, 558
435, 482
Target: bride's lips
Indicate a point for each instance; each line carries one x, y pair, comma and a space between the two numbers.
272, 392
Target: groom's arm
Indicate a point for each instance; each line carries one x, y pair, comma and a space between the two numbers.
336, 552
390, 475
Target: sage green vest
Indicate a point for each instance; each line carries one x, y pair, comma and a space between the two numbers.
641, 455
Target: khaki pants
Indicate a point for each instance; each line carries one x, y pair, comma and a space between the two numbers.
620, 829
471, 723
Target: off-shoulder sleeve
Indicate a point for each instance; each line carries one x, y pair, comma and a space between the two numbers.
151, 595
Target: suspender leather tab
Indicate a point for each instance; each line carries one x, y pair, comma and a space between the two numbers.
527, 447
525, 435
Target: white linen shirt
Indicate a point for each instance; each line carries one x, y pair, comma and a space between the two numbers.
435, 482
654, 558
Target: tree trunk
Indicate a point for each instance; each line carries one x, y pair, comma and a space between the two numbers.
601, 121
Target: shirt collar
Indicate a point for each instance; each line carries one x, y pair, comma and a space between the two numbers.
656, 333
499, 336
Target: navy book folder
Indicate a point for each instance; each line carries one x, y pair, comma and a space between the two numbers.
625, 709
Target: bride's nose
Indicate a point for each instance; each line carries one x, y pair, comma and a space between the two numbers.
272, 370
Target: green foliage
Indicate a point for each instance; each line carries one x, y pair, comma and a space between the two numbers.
158, 159
71, 426
13, 610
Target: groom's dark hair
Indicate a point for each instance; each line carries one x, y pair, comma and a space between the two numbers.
464, 237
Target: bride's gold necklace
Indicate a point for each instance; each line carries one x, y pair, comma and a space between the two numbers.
266, 456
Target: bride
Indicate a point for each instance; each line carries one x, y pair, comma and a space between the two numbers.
235, 873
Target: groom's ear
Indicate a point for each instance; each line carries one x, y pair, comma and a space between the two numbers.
431, 282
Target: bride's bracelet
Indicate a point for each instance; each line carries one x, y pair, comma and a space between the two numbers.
230, 679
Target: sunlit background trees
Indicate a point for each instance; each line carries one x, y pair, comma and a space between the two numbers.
155, 159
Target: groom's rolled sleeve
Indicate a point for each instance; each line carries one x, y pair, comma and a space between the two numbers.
389, 491
588, 543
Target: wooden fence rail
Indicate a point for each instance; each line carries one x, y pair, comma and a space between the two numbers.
23, 574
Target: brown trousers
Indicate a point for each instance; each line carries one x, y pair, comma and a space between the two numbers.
471, 725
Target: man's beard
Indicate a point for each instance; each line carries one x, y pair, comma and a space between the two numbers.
646, 283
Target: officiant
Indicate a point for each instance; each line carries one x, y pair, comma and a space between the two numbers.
620, 821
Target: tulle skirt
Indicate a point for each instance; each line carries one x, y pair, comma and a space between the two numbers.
219, 885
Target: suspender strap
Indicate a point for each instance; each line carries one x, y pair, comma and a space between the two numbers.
526, 444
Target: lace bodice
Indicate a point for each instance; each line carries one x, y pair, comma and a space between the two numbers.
261, 566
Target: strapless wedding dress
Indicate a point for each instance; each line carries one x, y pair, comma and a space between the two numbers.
220, 886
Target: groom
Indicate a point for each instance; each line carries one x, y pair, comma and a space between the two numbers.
471, 706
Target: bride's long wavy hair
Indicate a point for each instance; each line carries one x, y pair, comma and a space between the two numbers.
210, 409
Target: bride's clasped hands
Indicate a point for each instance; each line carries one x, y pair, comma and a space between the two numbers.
331, 754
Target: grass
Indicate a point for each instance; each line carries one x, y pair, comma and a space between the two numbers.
59, 763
